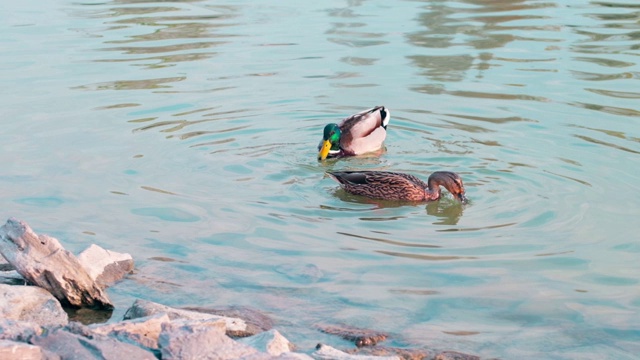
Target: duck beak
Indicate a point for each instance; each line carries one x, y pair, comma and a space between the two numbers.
324, 150
463, 199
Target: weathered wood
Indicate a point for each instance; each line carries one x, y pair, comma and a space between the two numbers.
41, 260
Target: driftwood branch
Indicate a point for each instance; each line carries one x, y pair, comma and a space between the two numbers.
41, 260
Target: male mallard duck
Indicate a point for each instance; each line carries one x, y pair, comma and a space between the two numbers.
398, 186
358, 134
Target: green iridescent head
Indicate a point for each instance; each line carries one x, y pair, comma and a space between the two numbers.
330, 140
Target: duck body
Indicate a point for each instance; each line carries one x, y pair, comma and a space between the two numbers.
355, 135
387, 185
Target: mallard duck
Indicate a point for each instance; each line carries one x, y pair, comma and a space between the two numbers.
388, 185
358, 134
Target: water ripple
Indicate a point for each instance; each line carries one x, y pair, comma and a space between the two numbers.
195, 126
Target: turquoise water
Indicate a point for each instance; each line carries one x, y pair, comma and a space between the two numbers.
185, 133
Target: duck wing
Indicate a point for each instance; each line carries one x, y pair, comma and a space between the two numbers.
365, 131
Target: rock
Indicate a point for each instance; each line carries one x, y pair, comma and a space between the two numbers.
11, 277
361, 337
31, 303
270, 342
69, 345
18, 330
326, 352
4, 264
142, 308
42, 261
144, 331
454, 355
200, 339
105, 267
283, 356
405, 354
13, 350
256, 321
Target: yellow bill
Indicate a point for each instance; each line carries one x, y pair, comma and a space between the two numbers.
324, 150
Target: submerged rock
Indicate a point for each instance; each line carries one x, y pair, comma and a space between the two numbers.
454, 355
256, 321
361, 337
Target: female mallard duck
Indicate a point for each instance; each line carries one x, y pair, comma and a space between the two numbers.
358, 134
388, 185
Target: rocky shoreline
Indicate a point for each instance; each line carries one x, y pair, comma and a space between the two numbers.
35, 325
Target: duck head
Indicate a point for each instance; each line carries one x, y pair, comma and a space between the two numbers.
451, 181
330, 141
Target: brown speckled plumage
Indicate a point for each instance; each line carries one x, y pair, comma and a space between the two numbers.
389, 185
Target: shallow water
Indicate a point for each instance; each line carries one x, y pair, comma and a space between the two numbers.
185, 133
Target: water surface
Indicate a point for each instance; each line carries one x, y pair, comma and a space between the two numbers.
185, 134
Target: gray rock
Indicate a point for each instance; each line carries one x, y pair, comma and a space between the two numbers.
270, 342
18, 330
5, 265
11, 277
31, 303
200, 339
8, 274
283, 356
143, 331
104, 266
70, 345
326, 352
406, 354
257, 321
13, 350
143, 308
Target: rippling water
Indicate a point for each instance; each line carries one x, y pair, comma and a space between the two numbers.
185, 133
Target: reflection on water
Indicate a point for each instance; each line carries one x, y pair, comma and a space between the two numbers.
188, 131
446, 214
